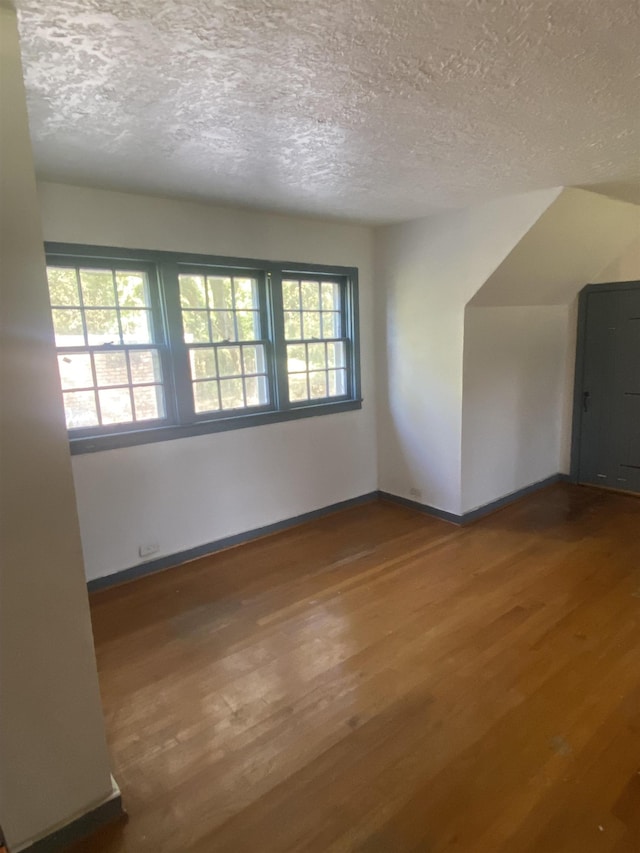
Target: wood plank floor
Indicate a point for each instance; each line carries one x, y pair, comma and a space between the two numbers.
383, 682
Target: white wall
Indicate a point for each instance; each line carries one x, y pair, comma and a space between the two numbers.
426, 271
192, 491
53, 757
514, 361
626, 267
578, 237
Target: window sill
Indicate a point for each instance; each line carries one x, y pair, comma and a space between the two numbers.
94, 444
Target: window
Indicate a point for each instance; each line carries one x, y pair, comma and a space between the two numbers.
156, 345
316, 343
106, 336
222, 333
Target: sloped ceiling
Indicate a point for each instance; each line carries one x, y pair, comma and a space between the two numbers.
377, 110
577, 237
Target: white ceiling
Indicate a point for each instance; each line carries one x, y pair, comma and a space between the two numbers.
377, 110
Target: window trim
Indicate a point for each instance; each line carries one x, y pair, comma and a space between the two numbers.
166, 269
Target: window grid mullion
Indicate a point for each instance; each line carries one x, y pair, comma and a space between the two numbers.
126, 352
209, 309
130, 378
348, 331
233, 308
85, 331
263, 288
215, 353
154, 298
308, 371
117, 305
119, 387
178, 351
244, 375
281, 379
94, 375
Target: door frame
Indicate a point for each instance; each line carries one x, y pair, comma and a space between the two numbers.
579, 370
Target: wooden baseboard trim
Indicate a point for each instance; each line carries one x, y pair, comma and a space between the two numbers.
180, 557
499, 503
420, 507
171, 560
479, 512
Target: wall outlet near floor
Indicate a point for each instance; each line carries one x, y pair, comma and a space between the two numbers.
416, 494
148, 549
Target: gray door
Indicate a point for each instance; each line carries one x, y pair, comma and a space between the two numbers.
608, 402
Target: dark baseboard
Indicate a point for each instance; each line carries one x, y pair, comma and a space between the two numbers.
108, 812
171, 560
177, 559
492, 506
481, 511
442, 514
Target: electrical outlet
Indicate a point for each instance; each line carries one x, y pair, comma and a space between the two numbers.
416, 493
148, 549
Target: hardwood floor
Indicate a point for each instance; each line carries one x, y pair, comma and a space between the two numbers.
383, 682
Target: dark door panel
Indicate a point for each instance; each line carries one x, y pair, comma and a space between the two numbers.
608, 401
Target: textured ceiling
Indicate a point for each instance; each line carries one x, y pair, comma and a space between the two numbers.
377, 110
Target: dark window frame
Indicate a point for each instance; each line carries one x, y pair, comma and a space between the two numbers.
182, 421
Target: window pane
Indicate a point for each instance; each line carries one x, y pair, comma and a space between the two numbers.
205, 396
318, 384
232, 394
63, 286
229, 363
149, 403
292, 326
145, 366
330, 324
203, 363
132, 290
254, 359
330, 296
222, 326
75, 370
192, 291
111, 368
335, 354
80, 409
247, 325
296, 358
317, 356
246, 293
196, 327
310, 291
298, 387
115, 406
220, 292
136, 326
102, 326
290, 295
257, 391
337, 383
311, 325
97, 287
68, 327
